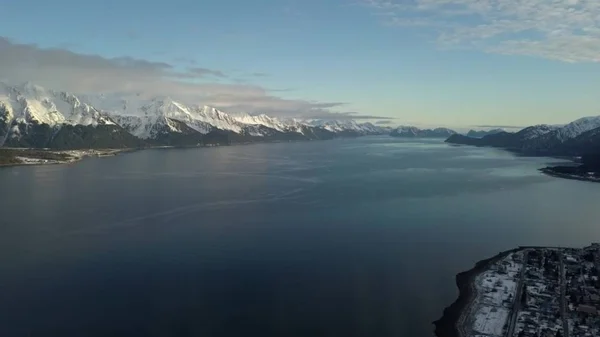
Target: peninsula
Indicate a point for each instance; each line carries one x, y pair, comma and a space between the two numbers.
528, 292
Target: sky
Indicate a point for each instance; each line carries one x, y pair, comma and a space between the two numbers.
480, 63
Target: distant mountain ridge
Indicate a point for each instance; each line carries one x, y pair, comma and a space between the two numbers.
483, 133
32, 116
580, 137
414, 132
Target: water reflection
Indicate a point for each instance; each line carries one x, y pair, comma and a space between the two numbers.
316, 238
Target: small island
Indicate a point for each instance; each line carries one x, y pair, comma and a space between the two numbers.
528, 292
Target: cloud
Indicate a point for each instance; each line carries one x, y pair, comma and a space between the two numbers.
348, 115
384, 122
186, 60
563, 30
201, 72
61, 69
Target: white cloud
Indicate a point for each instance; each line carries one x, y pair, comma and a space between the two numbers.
61, 69
564, 30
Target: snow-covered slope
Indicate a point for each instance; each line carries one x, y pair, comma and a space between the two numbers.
29, 103
146, 120
25, 109
264, 120
406, 131
414, 132
535, 131
139, 117
560, 134
339, 126
577, 128
544, 138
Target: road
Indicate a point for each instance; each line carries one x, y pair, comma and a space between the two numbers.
563, 291
510, 331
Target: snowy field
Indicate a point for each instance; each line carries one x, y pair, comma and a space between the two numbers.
72, 156
496, 290
36, 161
490, 321
498, 286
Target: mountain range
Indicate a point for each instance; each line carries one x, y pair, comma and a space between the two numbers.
33, 116
414, 132
580, 137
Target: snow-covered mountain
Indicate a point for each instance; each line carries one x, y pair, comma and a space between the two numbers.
414, 132
339, 126
535, 131
576, 138
158, 115
27, 109
576, 128
553, 137
29, 103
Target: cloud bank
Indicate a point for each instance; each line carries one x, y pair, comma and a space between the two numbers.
62, 69
563, 30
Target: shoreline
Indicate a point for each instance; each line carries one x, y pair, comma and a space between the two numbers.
76, 155
549, 170
33, 156
40, 155
447, 325
552, 173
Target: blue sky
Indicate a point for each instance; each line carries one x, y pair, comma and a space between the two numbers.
423, 62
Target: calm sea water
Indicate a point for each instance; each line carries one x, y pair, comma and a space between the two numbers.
345, 238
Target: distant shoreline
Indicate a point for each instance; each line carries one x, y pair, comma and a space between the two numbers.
10, 157
551, 171
13, 156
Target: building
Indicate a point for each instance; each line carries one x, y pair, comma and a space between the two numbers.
588, 309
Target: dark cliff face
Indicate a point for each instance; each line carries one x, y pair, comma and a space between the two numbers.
586, 144
502, 139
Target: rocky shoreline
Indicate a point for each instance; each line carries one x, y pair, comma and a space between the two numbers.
447, 325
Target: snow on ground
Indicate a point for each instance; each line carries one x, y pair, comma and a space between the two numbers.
498, 285
496, 289
490, 320
536, 288
36, 161
74, 155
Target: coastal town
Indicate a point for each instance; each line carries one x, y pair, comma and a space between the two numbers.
26, 156
530, 292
